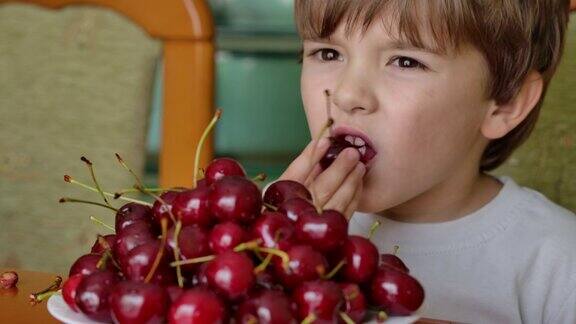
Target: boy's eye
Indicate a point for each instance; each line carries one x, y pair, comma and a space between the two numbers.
405, 62
326, 54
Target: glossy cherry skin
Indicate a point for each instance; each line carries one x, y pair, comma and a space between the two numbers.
355, 303
295, 207
223, 167
192, 243
393, 261
134, 302
268, 307
192, 207
274, 229
131, 237
131, 213
361, 259
197, 306
396, 292
87, 264
325, 232
98, 248
69, 290
305, 264
174, 292
235, 199
231, 274
322, 298
339, 144
162, 210
93, 292
282, 190
139, 262
226, 236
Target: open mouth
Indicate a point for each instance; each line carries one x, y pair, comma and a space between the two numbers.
344, 138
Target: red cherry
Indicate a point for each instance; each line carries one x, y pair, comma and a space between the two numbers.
295, 207
268, 307
162, 209
235, 199
139, 262
174, 292
274, 229
138, 302
396, 292
231, 274
323, 299
226, 236
223, 167
131, 213
87, 264
393, 261
93, 292
354, 302
131, 237
98, 248
361, 259
282, 190
69, 290
325, 232
305, 264
338, 144
192, 207
192, 243
197, 306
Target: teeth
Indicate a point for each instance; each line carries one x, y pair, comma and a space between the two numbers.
359, 142
362, 150
349, 139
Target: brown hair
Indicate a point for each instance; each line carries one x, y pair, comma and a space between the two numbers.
515, 37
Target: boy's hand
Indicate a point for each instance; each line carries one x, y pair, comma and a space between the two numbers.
339, 187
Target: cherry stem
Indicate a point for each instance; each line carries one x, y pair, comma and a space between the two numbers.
251, 319
260, 177
346, 318
207, 130
201, 259
144, 191
396, 247
176, 249
373, 228
101, 264
98, 188
328, 125
71, 180
164, 225
41, 295
100, 222
309, 319
74, 200
328, 108
262, 266
36, 299
279, 253
274, 208
335, 270
120, 194
107, 250
382, 316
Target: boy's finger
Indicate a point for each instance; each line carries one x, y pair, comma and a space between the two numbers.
351, 209
301, 167
313, 174
328, 182
344, 196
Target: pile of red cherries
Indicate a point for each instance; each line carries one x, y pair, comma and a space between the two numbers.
222, 252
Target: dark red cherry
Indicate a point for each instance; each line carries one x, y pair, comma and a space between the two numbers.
92, 294
87, 264
163, 210
174, 292
321, 298
69, 290
223, 167
231, 274
99, 248
192, 207
235, 199
396, 292
138, 302
305, 264
131, 237
339, 144
354, 302
393, 261
131, 213
280, 191
325, 232
274, 229
139, 262
192, 242
226, 236
361, 259
197, 306
295, 207
268, 307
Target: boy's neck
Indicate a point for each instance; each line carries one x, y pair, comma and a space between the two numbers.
449, 200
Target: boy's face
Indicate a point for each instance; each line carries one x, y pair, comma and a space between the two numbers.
421, 111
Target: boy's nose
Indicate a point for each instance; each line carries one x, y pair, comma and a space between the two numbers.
354, 95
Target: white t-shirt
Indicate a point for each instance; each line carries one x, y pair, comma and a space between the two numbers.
511, 261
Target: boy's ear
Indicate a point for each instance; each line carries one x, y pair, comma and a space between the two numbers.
501, 119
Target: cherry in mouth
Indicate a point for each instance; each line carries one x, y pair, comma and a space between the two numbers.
340, 142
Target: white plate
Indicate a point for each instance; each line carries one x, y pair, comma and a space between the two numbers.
60, 310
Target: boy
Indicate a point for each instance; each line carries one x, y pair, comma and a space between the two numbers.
443, 91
